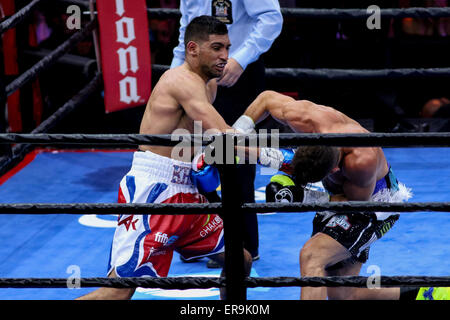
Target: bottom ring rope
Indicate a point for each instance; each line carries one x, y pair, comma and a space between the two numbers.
184, 283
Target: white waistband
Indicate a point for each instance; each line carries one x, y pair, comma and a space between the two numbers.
162, 168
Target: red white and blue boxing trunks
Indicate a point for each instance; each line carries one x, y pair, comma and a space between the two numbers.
143, 245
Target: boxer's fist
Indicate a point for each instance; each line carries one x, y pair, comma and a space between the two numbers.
279, 159
244, 124
282, 189
204, 176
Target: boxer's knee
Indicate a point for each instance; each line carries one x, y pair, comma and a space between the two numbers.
311, 262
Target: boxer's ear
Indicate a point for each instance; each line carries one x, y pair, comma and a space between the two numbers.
192, 48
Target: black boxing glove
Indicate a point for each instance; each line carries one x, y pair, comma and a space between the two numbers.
283, 189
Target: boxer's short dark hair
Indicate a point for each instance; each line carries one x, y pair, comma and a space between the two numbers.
313, 163
200, 28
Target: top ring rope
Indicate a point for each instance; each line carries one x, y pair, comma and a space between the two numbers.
18, 151
395, 13
345, 74
441, 139
206, 208
209, 282
17, 18
357, 74
50, 59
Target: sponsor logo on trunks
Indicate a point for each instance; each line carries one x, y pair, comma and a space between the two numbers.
161, 237
155, 252
181, 175
341, 221
207, 220
128, 221
211, 227
164, 238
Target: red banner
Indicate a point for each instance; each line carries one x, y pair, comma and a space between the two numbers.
125, 53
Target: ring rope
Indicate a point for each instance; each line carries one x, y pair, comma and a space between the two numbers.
208, 282
51, 58
81, 3
165, 283
18, 17
110, 208
205, 208
211, 282
347, 281
396, 13
344, 74
18, 151
348, 206
357, 74
414, 139
93, 86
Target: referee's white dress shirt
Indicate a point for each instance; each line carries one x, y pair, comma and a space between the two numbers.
256, 24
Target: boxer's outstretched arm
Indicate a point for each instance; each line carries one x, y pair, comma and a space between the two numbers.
268, 103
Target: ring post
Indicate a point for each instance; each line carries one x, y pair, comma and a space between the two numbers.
232, 219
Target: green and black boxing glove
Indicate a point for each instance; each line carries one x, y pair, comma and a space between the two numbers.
283, 189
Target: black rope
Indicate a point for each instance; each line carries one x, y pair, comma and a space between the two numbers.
81, 3
344, 74
364, 140
357, 74
19, 16
211, 282
99, 139
348, 281
205, 208
340, 14
351, 206
110, 208
19, 151
145, 282
50, 59
93, 86
163, 13
434, 139
89, 139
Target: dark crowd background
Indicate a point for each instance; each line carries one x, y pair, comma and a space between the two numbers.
415, 105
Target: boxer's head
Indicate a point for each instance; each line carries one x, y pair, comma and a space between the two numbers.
313, 163
207, 44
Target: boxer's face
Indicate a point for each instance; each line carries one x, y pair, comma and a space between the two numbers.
213, 55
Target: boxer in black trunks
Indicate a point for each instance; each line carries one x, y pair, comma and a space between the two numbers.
340, 242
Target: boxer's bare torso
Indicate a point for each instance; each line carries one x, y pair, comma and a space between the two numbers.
164, 114
185, 94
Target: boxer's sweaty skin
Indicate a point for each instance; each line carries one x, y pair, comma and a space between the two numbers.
185, 94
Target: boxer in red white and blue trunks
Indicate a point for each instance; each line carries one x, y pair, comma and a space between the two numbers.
144, 244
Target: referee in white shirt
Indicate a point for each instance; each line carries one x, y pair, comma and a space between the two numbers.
253, 25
